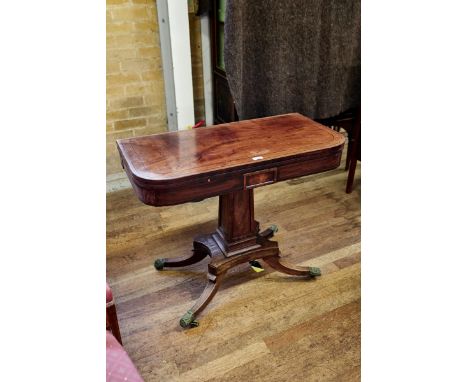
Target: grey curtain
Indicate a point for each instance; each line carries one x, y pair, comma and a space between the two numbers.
293, 56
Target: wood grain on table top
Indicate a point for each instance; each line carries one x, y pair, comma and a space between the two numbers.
174, 155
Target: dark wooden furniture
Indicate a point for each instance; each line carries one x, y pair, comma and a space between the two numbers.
229, 160
346, 121
224, 109
354, 152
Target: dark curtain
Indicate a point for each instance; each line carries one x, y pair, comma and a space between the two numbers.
286, 56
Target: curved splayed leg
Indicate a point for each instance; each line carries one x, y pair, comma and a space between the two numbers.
212, 286
284, 266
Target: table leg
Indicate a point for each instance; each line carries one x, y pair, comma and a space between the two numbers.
284, 266
212, 286
182, 261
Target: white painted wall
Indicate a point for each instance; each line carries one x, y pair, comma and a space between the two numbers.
207, 70
177, 64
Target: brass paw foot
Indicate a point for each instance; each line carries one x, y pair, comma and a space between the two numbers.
159, 264
314, 271
188, 320
269, 232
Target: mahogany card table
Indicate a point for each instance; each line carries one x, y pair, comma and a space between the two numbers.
228, 161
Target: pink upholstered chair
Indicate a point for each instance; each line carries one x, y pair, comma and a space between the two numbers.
111, 315
119, 366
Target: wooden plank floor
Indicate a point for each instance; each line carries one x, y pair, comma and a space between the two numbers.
260, 326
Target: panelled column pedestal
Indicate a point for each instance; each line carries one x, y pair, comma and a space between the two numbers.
237, 229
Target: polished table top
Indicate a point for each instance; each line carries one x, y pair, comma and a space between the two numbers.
208, 155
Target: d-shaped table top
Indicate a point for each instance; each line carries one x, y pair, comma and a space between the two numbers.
177, 167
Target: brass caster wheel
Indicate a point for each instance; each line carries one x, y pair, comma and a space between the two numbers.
159, 264
188, 320
314, 271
